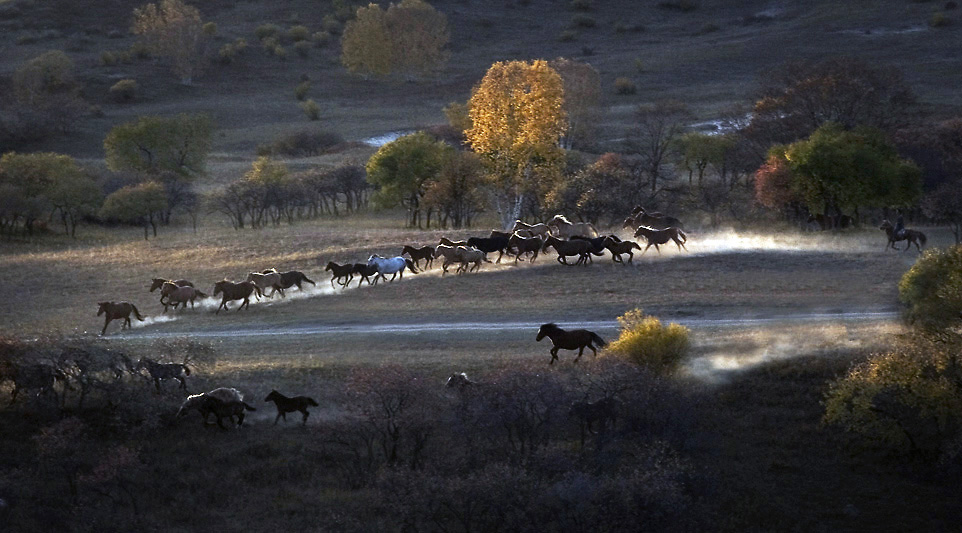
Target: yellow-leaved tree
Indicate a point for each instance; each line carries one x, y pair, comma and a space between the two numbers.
517, 120
174, 30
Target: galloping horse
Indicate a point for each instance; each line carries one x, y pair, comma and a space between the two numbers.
617, 247
459, 380
417, 254
567, 229
290, 279
910, 235
115, 310
223, 402
568, 248
525, 245
652, 219
451, 254
179, 295
490, 245
448, 242
263, 281
576, 339
537, 230
289, 405
339, 272
661, 236
161, 371
470, 255
235, 291
364, 270
158, 283
393, 265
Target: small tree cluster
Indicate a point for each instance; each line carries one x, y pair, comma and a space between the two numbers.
932, 289
44, 98
142, 205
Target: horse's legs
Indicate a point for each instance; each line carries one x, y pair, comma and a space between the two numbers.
126, 323
278, 417
183, 382
306, 414
554, 355
106, 321
247, 303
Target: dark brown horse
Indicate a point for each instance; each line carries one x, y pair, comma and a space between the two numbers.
910, 235
656, 237
568, 248
576, 339
289, 405
525, 245
161, 371
235, 291
115, 310
653, 219
489, 245
619, 247
365, 271
222, 402
290, 279
425, 253
340, 272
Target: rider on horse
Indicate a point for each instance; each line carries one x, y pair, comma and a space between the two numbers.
900, 226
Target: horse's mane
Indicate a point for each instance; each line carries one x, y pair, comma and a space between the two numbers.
550, 325
562, 218
226, 394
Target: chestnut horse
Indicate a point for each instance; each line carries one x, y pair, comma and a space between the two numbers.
235, 291
568, 248
115, 310
661, 236
417, 254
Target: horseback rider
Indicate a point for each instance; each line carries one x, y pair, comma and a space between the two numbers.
900, 225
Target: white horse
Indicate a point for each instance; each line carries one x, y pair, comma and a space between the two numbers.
392, 265
567, 229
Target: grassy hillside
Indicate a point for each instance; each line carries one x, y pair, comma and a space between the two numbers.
708, 57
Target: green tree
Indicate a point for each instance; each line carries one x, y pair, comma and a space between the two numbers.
140, 204
837, 170
174, 30
154, 144
932, 289
40, 183
46, 95
944, 204
517, 121
268, 184
401, 169
408, 38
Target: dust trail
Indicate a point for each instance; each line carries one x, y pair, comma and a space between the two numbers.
733, 241
150, 320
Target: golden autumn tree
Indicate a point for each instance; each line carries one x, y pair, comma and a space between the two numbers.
174, 30
408, 39
517, 120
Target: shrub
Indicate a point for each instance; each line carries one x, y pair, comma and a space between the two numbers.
209, 29
568, 36
331, 25
581, 5
939, 20
303, 48
300, 91
227, 53
240, 45
298, 33
266, 30
932, 289
279, 52
625, 86
140, 50
108, 58
583, 21
270, 43
303, 143
311, 109
909, 399
321, 38
124, 91
646, 342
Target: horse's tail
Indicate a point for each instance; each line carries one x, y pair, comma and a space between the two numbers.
634, 245
922, 238
136, 312
307, 279
684, 238
598, 340
247, 406
310, 401
201, 294
410, 265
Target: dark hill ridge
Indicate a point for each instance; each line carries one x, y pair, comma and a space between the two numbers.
708, 57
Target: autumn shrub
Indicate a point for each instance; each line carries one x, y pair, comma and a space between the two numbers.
124, 91
300, 90
932, 289
645, 341
298, 33
266, 30
331, 25
568, 36
139, 50
209, 29
939, 20
227, 53
304, 143
907, 400
303, 48
279, 52
311, 109
625, 86
108, 58
321, 39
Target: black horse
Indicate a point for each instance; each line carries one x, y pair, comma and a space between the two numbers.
490, 245
289, 405
576, 339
